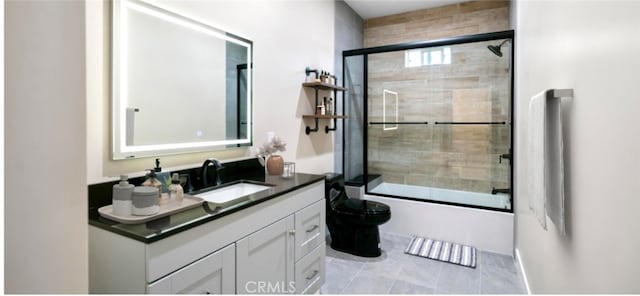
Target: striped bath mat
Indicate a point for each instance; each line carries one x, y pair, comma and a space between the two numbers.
442, 251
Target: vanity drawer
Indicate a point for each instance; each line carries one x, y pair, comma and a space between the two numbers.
310, 271
310, 228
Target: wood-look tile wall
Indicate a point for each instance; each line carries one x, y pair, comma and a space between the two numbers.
474, 87
447, 21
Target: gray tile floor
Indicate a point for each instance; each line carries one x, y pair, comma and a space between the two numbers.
398, 273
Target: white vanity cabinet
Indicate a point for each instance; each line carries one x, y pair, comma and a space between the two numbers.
276, 246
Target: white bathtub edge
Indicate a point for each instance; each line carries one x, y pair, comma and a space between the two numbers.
484, 229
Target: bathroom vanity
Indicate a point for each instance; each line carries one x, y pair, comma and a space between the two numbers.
272, 243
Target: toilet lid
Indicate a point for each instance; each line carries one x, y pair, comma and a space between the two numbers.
360, 206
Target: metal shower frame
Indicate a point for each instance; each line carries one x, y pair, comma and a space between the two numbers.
364, 52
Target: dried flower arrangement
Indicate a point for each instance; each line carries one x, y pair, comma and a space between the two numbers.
269, 148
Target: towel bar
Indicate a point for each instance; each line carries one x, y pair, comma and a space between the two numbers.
560, 93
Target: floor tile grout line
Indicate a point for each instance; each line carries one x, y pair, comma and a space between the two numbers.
397, 277
391, 288
438, 280
353, 278
439, 273
480, 269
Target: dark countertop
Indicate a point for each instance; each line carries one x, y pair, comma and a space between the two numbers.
166, 226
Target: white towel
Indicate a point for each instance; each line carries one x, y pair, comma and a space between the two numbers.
546, 186
554, 165
537, 199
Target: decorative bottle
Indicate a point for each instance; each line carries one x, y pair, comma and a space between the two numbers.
152, 181
122, 193
176, 192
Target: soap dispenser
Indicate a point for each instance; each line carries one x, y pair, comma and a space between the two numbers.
122, 193
163, 177
176, 192
152, 181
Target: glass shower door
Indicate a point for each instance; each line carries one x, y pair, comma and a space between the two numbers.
439, 124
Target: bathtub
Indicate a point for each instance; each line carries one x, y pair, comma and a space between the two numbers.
484, 229
497, 201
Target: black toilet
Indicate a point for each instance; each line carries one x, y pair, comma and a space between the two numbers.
353, 223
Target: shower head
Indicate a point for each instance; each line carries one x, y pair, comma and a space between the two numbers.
496, 48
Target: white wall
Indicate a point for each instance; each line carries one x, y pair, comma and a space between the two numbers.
287, 36
592, 47
46, 249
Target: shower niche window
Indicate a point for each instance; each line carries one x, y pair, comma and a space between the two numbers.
436, 134
427, 56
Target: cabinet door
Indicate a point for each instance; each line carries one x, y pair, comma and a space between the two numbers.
213, 274
310, 228
265, 260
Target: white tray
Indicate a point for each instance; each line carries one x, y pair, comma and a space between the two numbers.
166, 209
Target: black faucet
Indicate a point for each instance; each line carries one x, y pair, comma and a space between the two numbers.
205, 167
500, 190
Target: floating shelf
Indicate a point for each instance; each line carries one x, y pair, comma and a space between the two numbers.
320, 85
324, 116
317, 86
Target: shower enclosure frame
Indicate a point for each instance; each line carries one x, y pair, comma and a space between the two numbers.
364, 52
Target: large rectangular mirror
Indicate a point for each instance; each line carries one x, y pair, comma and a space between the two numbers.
179, 85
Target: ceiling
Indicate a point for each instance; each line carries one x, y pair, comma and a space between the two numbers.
374, 8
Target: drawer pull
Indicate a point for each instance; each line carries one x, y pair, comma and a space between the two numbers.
315, 272
312, 228
292, 232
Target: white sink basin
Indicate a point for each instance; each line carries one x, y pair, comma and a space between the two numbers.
231, 194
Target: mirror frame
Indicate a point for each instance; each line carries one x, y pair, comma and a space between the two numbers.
120, 149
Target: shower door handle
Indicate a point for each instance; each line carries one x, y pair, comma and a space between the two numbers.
505, 156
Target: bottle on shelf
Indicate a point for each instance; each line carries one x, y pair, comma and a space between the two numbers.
327, 77
323, 107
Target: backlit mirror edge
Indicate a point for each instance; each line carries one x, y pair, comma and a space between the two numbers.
118, 127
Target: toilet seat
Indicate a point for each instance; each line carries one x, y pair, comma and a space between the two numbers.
363, 211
